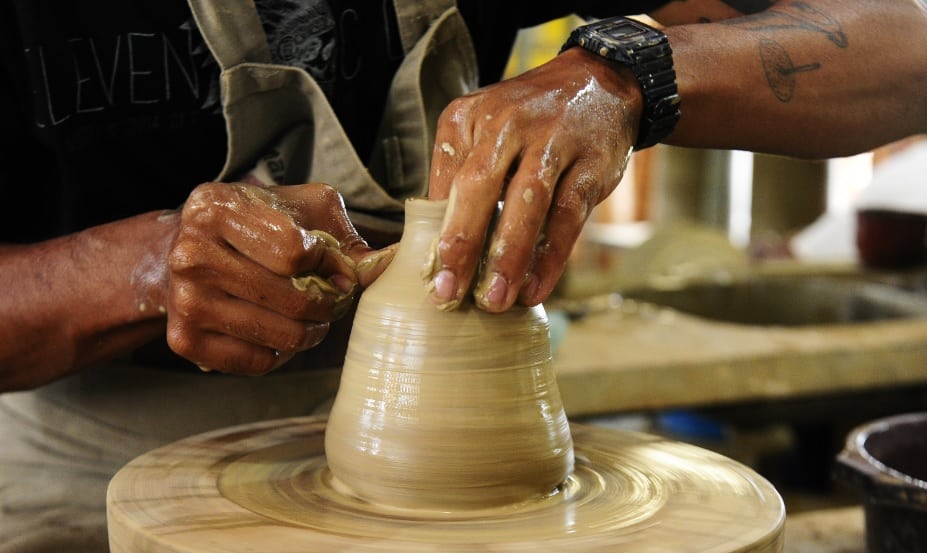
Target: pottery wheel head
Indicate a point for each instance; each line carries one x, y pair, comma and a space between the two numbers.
266, 487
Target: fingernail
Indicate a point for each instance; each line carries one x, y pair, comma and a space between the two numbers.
282, 359
530, 289
315, 332
445, 286
495, 293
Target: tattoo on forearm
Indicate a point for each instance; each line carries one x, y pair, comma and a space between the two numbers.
795, 15
799, 15
779, 69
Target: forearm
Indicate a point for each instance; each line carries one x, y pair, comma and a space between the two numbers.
82, 298
810, 79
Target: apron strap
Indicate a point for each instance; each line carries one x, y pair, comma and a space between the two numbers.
236, 35
232, 30
280, 122
416, 16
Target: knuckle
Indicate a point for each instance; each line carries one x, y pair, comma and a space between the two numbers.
298, 252
202, 200
185, 254
327, 193
181, 341
457, 112
553, 252
575, 203
459, 249
293, 256
185, 300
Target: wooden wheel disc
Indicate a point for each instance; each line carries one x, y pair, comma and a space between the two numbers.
266, 487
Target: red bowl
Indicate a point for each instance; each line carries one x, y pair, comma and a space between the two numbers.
886, 462
888, 239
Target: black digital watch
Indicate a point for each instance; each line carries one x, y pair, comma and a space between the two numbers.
647, 52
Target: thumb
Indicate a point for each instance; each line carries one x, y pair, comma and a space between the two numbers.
372, 263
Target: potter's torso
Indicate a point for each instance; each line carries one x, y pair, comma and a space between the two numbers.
127, 95
97, 98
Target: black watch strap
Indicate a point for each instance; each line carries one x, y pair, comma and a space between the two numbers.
648, 53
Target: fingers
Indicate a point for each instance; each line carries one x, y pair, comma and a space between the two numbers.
453, 141
258, 274
519, 229
506, 250
370, 267
524, 251
478, 181
256, 223
240, 338
319, 206
552, 143
214, 266
574, 199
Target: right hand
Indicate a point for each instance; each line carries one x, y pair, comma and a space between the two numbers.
552, 143
242, 249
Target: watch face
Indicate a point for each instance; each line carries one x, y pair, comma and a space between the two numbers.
630, 32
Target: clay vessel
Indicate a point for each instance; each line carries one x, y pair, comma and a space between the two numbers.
445, 410
885, 461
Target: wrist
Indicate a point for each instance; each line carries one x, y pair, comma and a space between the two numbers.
613, 76
150, 273
647, 53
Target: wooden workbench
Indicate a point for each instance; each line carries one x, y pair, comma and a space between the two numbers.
827, 531
615, 361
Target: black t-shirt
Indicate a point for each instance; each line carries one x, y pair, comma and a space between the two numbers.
112, 109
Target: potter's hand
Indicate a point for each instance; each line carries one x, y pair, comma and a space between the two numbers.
258, 273
552, 143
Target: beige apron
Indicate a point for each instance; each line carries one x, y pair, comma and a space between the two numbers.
60, 444
267, 104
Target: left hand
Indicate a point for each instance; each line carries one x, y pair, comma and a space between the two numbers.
552, 143
257, 274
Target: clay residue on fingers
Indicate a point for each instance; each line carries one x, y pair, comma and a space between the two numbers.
330, 241
374, 264
448, 149
495, 252
317, 286
498, 248
433, 264
430, 270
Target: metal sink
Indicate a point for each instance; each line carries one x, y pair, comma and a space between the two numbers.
789, 301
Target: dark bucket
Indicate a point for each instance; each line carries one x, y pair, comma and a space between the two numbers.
886, 461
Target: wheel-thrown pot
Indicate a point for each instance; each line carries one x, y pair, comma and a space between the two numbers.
445, 410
